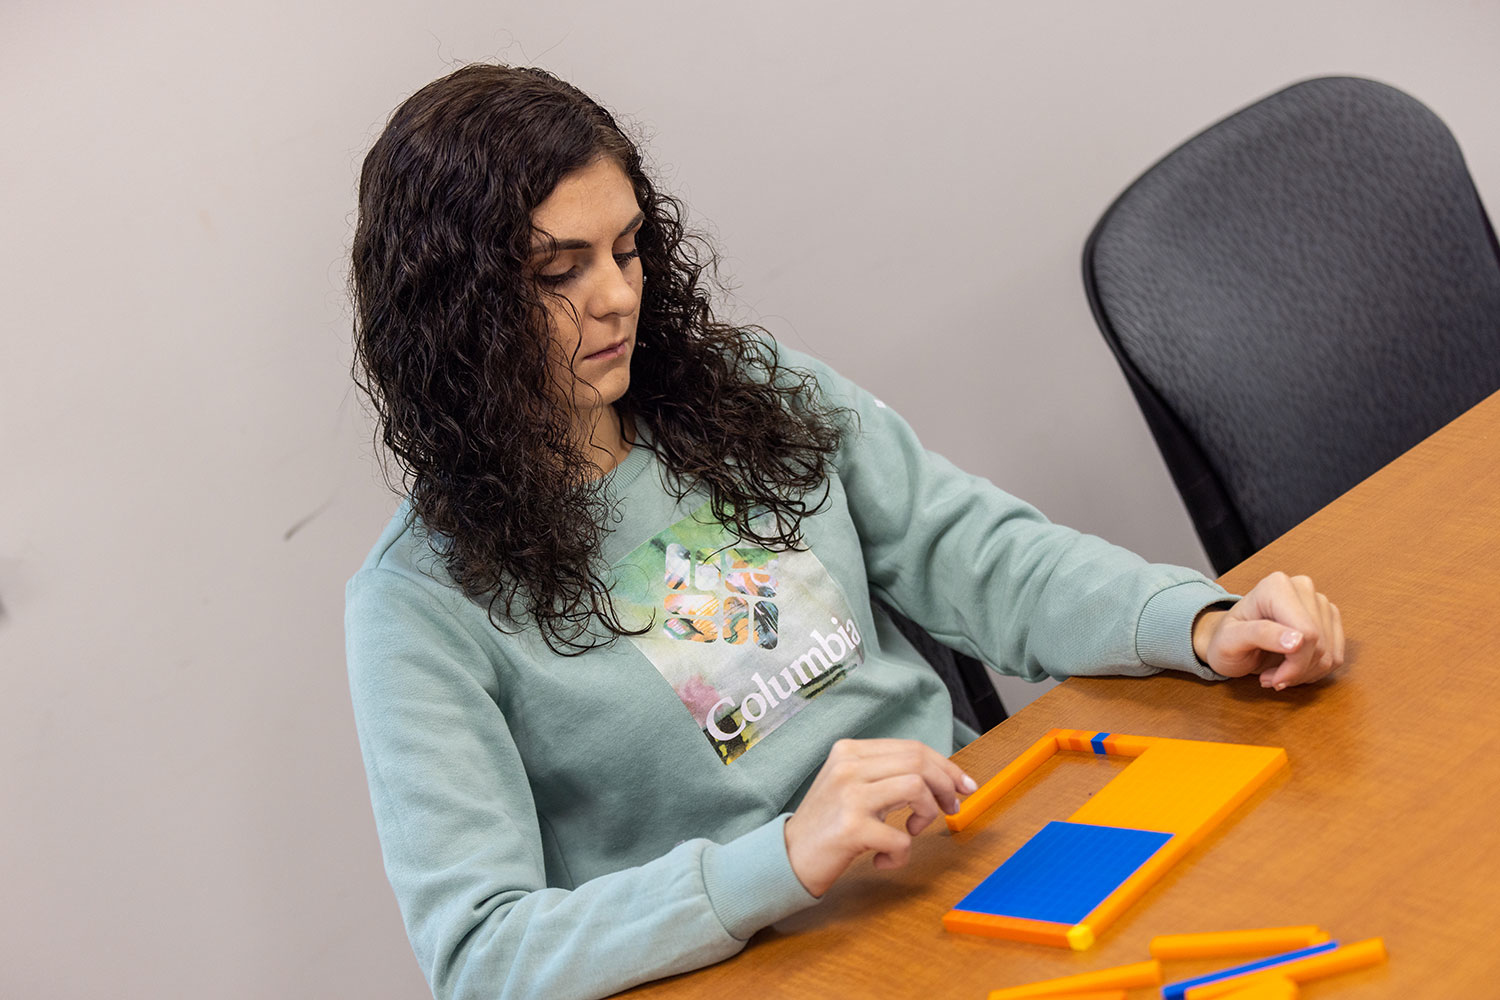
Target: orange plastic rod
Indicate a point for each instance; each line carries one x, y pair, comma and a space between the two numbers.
1360, 955
1259, 986
1093, 995
1014, 928
1077, 740
1134, 887
1127, 746
1266, 988
1115, 745
1121, 977
1009, 777
1225, 943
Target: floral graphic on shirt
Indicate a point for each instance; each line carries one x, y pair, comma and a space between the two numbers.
720, 594
746, 636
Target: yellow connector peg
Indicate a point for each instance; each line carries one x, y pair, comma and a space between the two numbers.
1080, 937
1222, 944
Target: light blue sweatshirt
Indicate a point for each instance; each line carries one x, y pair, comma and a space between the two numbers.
568, 827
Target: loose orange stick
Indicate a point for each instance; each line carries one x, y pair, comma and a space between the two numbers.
1241, 987
1225, 943
1268, 988
1095, 995
1121, 977
1360, 955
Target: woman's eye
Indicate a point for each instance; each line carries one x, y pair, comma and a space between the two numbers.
625, 258
553, 280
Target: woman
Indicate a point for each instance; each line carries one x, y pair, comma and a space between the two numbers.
622, 626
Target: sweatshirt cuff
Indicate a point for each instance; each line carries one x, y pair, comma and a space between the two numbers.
750, 882
1164, 633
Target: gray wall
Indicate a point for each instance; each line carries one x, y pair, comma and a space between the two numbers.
188, 479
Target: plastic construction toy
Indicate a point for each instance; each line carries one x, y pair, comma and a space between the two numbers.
1228, 983
1121, 977
1221, 944
1178, 991
1073, 878
1273, 988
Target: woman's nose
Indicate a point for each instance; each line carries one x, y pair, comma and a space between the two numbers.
618, 291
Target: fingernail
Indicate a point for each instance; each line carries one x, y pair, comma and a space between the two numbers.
968, 785
1281, 686
951, 807
1291, 639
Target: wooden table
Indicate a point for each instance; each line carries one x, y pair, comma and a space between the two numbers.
1387, 822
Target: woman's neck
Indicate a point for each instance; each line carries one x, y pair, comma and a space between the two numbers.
610, 438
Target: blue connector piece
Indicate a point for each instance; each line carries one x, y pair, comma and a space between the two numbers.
1177, 991
1098, 743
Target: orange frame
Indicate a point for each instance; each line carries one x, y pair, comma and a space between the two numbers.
1184, 788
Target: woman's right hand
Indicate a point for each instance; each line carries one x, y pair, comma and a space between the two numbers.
863, 781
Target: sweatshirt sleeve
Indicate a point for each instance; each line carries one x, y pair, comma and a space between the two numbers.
989, 575
462, 841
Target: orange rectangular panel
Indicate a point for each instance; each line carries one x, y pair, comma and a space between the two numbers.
1182, 786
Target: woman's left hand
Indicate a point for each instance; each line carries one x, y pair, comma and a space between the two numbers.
1283, 630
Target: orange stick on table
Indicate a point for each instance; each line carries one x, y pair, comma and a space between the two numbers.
1360, 955
1267, 988
1034, 931
1225, 943
1121, 977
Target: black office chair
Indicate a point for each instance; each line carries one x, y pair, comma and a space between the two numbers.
1296, 296
976, 703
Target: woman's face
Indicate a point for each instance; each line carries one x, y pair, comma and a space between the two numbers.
593, 285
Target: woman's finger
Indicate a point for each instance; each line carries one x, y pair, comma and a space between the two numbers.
885, 746
1337, 618
944, 779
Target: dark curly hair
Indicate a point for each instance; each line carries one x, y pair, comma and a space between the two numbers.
452, 351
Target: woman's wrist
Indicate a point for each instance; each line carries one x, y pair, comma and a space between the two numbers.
1204, 627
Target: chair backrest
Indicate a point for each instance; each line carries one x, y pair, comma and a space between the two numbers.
1297, 295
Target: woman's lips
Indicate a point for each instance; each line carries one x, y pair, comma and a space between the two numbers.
609, 353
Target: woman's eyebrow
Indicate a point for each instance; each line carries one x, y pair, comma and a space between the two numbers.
585, 244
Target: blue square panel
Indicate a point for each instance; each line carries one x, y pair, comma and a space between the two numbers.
1063, 872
